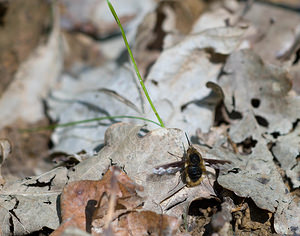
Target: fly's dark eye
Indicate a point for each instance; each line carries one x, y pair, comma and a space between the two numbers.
195, 159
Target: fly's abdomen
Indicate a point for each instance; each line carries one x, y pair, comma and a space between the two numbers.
194, 173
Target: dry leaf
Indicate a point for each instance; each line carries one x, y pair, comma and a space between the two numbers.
22, 99
287, 151
185, 14
139, 155
286, 219
275, 29
148, 223
220, 221
88, 97
80, 199
29, 205
177, 202
245, 128
215, 136
88, 202
250, 85
29, 150
95, 18
80, 98
286, 3
180, 74
15, 44
80, 51
257, 177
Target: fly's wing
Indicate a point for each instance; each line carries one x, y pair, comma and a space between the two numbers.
214, 163
170, 168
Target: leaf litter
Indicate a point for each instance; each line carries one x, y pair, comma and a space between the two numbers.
249, 84
115, 190
161, 82
286, 150
258, 132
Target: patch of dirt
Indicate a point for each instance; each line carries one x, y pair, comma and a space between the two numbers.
247, 218
24, 24
200, 214
251, 220
28, 149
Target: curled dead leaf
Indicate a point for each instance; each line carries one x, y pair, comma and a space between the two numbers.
80, 199
109, 206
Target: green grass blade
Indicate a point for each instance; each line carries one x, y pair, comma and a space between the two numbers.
50, 127
133, 62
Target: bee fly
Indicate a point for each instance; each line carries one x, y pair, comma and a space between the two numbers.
191, 166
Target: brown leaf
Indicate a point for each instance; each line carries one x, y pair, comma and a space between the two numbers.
28, 150
22, 98
16, 45
148, 222
79, 199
